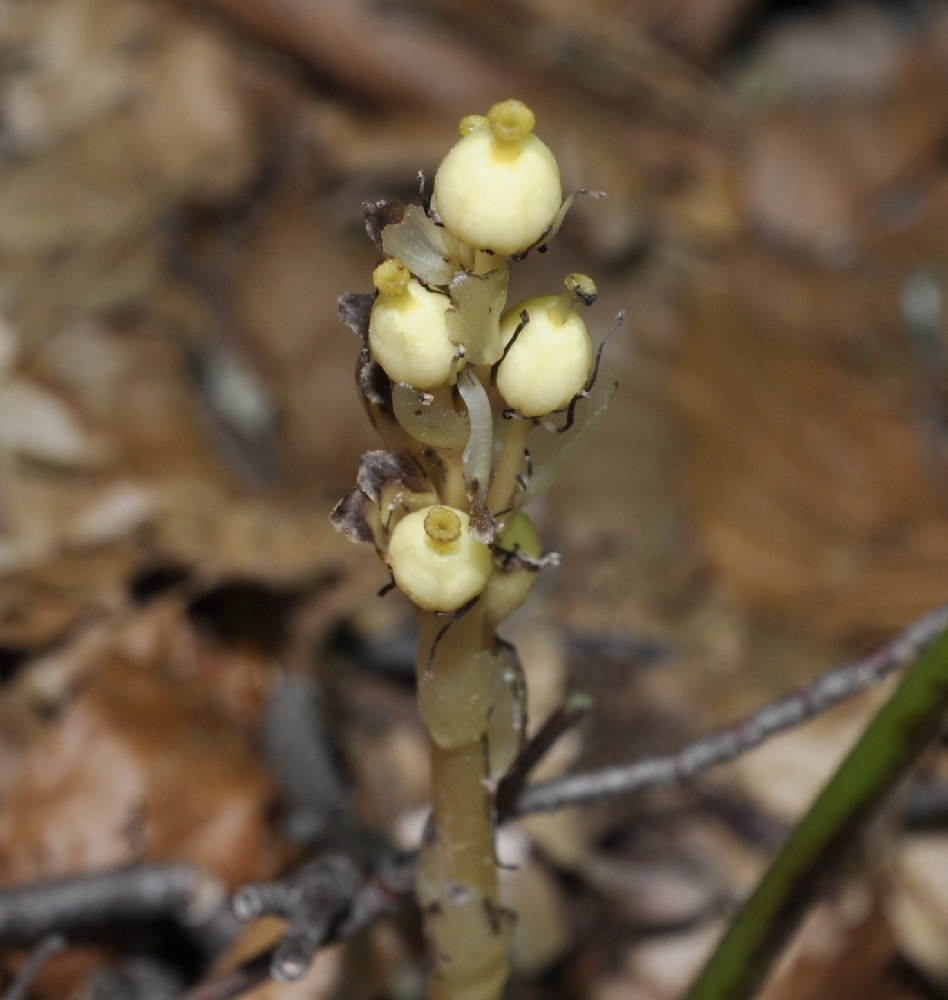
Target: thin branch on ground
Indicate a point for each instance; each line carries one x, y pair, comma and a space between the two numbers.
389, 888
926, 805
297, 749
234, 983
49, 946
727, 744
84, 903
386, 891
313, 899
511, 786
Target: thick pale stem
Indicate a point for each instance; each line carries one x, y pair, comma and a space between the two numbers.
461, 806
457, 872
503, 485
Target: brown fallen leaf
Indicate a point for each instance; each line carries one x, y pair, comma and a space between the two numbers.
136, 767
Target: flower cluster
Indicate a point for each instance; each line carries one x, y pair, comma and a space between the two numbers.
479, 407
455, 381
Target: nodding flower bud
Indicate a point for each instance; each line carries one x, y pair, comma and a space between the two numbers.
550, 358
435, 560
499, 188
408, 333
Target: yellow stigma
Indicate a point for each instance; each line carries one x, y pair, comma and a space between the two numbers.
391, 277
442, 525
580, 291
582, 287
470, 123
511, 120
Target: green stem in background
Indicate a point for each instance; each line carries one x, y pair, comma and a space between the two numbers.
898, 734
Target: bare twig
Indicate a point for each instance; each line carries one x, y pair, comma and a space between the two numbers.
385, 892
729, 743
926, 805
50, 945
84, 903
512, 784
233, 984
134, 976
313, 899
296, 745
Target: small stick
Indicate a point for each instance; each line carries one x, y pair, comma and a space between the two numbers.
28, 913
233, 984
49, 946
313, 899
727, 744
512, 784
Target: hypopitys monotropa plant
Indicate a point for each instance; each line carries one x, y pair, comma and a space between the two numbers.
479, 408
